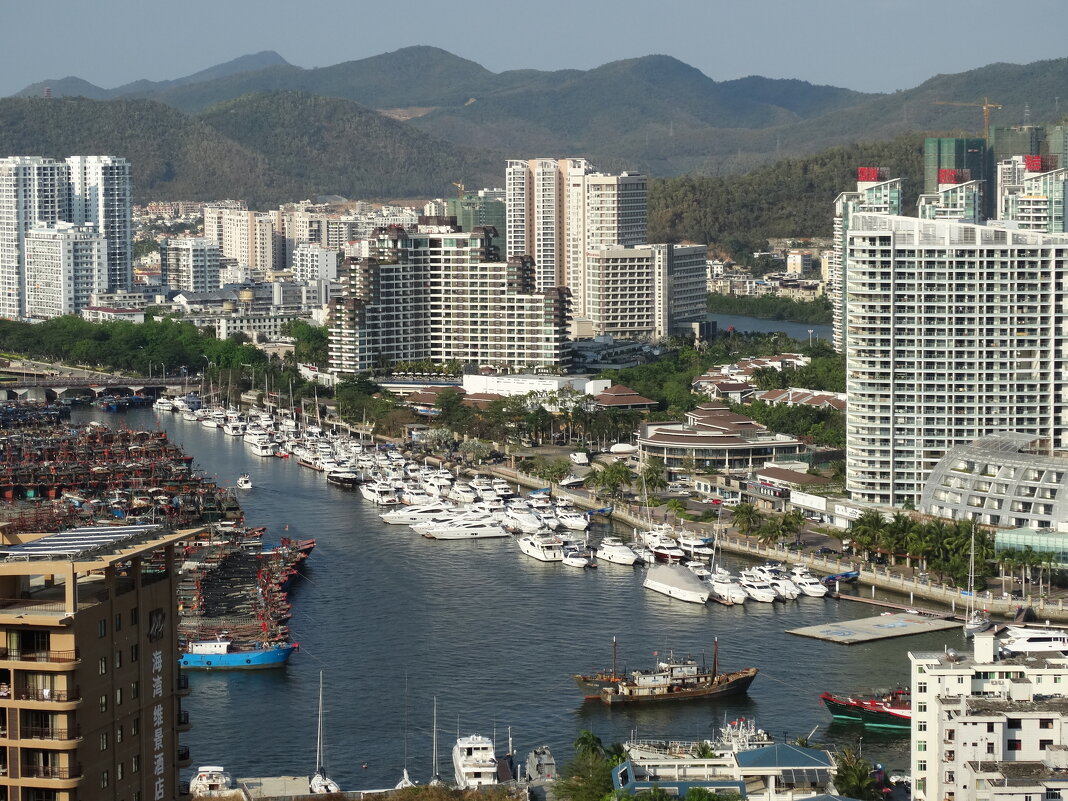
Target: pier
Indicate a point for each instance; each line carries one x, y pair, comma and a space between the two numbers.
883, 627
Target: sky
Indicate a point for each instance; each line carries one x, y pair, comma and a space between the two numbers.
867, 45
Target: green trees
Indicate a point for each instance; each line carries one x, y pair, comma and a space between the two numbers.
654, 475
609, 480
772, 307
310, 342
746, 518
588, 776
853, 778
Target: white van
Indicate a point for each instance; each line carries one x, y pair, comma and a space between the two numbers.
580, 458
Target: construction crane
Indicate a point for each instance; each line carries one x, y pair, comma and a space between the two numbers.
986, 105
460, 187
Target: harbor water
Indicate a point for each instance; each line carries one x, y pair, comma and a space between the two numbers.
798, 331
394, 621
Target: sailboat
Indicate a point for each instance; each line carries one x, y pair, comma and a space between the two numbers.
406, 780
320, 783
975, 619
436, 780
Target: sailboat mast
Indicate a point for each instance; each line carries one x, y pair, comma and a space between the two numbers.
715, 657
434, 747
319, 732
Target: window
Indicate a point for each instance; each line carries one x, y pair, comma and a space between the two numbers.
921, 745
103, 665
135, 726
921, 765
135, 763
103, 703
118, 735
102, 628
1045, 744
1013, 723
950, 777
1045, 723
921, 687
135, 689
135, 652
921, 707
1015, 745
921, 725
118, 622
118, 696
104, 741
990, 748
989, 728
119, 772
105, 780
118, 659
133, 616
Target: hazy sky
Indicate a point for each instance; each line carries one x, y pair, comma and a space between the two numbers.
869, 45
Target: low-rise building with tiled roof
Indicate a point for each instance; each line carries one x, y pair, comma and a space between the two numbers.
621, 397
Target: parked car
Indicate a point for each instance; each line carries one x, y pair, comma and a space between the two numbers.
823, 549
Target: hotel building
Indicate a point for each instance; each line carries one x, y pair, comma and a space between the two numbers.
439, 293
89, 680
953, 332
190, 264
641, 292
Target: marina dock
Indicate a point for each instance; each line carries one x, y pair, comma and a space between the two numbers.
883, 627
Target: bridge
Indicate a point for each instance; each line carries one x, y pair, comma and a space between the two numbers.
45, 382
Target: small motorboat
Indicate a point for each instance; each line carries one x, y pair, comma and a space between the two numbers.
578, 557
244, 481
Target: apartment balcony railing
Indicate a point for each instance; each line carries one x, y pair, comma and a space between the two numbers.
19, 655
32, 694
50, 772
49, 733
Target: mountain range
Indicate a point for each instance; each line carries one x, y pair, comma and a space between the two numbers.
410, 122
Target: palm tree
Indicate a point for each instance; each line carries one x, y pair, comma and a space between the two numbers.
853, 777
792, 524
895, 536
676, 506
746, 518
588, 744
867, 531
654, 475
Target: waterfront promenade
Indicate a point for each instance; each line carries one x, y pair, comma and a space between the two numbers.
906, 588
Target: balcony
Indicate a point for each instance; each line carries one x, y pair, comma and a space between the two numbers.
50, 772
49, 733
183, 684
184, 757
54, 657
182, 721
59, 696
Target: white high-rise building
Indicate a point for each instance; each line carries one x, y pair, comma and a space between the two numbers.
955, 332
32, 190
190, 264
643, 292
101, 193
249, 237
436, 292
988, 727
311, 261
66, 264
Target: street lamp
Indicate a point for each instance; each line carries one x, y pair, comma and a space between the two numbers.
207, 361
810, 337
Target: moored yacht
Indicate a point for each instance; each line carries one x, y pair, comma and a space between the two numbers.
544, 547
678, 582
474, 763
475, 527
613, 549
409, 515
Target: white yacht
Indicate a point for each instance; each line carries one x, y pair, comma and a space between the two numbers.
244, 481
475, 527
163, 404
263, 448
462, 492
544, 547
474, 762
726, 587
234, 428
577, 557
613, 549
548, 517
678, 582
409, 515
695, 547
757, 587
807, 583
570, 519
521, 518
380, 492
699, 569
211, 780
1026, 640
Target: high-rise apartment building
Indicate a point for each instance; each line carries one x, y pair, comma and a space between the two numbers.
250, 237
101, 193
966, 158
875, 194
66, 264
955, 331
643, 292
479, 210
311, 261
988, 727
954, 201
439, 293
89, 680
190, 264
1037, 203
32, 190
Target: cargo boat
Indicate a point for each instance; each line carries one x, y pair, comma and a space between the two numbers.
219, 655
678, 680
890, 709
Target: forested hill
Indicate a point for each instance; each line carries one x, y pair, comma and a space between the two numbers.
792, 198
267, 148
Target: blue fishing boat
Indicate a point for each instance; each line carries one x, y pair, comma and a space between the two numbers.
849, 577
220, 654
